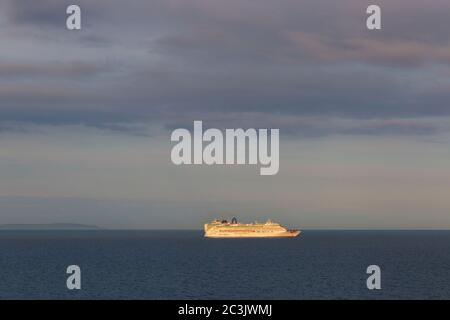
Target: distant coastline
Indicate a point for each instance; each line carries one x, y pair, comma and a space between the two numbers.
50, 226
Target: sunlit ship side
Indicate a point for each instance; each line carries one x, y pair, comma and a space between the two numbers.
233, 229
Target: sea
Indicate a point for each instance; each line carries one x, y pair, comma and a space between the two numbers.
169, 264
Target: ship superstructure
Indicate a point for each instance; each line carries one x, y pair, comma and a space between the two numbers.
233, 229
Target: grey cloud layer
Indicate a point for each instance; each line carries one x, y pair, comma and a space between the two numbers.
229, 62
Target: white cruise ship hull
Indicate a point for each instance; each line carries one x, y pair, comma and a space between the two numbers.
287, 234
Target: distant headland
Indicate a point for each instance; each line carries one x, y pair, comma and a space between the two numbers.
51, 226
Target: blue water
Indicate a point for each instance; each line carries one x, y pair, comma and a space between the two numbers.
184, 265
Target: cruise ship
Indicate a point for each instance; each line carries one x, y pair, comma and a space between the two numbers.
233, 229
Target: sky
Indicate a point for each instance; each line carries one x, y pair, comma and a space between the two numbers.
364, 116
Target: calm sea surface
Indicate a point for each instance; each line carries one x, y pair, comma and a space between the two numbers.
184, 265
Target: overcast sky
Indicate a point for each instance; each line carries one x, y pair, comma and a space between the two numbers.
364, 116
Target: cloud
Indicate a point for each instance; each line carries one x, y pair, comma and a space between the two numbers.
49, 70
320, 126
168, 62
372, 51
47, 13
